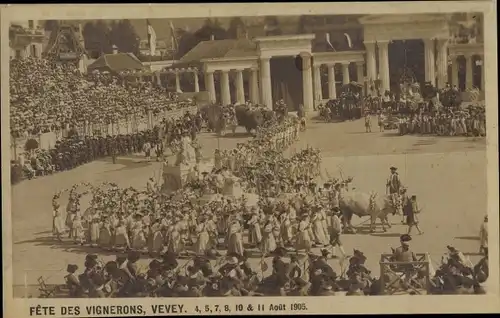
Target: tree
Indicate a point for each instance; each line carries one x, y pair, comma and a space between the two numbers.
271, 25
102, 33
235, 25
302, 24
97, 38
209, 29
51, 25
124, 36
186, 42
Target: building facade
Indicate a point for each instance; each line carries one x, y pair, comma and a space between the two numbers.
27, 39
451, 51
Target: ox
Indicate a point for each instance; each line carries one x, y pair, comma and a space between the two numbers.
353, 202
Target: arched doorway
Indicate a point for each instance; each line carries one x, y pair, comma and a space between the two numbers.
406, 62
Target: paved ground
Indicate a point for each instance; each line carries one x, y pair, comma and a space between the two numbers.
447, 174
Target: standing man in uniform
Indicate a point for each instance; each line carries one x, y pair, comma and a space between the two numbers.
368, 122
393, 185
393, 182
411, 215
483, 236
335, 232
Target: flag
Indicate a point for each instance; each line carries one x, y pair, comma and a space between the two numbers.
175, 45
327, 36
348, 38
151, 38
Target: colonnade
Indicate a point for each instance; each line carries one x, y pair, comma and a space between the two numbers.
239, 83
156, 77
307, 82
436, 62
469, 65
332, 91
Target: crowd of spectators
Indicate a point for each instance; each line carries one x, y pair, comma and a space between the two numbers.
49, 96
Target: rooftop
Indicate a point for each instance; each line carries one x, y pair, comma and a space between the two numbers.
117, 62
220, 49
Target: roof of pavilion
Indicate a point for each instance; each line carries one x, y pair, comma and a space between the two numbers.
217, 49
117, 62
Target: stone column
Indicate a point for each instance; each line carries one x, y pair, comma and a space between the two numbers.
265, 83
254, 86
307, 83
332, 89
468, 72
225, 92
345, 73
318, 94
210, 85
177, 83
442, 66
430, 74
196, 82
158, 79
240, 89
360, 75
383, 56
454, 72
371, 63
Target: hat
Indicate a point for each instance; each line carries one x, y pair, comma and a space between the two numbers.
232, 260
134, 255
155, 264
121, 258
325, 252
91, 257
413, 196
280, 251
393, 168
71, 268
405, 238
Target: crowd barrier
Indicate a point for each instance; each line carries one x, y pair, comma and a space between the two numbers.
37, 281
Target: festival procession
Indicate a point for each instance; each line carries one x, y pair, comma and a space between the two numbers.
255, 203
259, 218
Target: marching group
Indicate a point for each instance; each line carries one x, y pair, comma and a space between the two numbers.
453, 123
74, 151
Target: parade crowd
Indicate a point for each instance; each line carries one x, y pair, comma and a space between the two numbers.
470, 123
216, 235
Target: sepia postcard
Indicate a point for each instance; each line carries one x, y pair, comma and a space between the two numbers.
230, 159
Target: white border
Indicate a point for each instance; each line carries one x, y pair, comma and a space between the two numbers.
316, 305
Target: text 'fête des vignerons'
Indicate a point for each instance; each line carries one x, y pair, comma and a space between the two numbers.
105, 310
